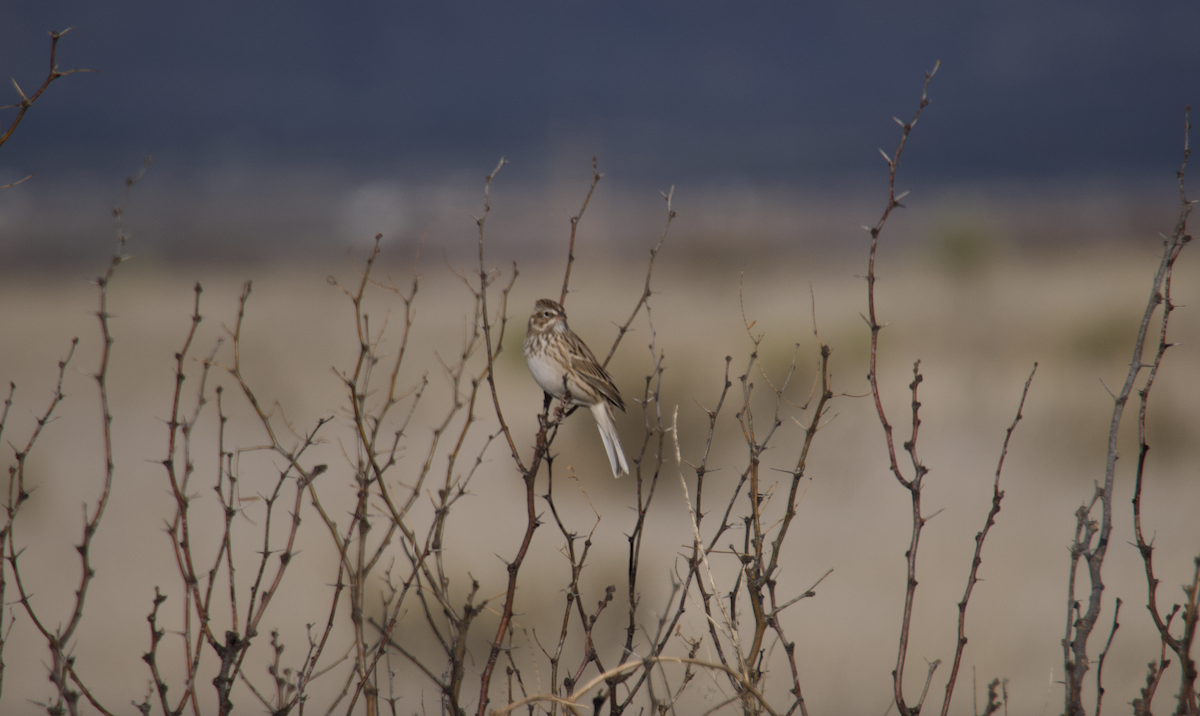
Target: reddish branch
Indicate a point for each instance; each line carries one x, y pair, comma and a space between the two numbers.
528, 473
16, 483
596, 176
62, 670
646, 287
27, 101
997, 496
914, 484
547, 428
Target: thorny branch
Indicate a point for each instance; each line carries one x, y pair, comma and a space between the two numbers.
1080, 625
997, 496
528, 473
913, 484
1181, 645
28, 100
62, 673
596, 177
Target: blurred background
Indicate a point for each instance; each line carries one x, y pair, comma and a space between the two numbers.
287, 135
300, 126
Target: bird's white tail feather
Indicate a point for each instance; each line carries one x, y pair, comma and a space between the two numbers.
608, 433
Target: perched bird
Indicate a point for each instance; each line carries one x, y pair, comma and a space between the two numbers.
564, 368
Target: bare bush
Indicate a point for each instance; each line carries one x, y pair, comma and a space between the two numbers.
395, 621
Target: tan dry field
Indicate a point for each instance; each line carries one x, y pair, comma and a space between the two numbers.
977, 339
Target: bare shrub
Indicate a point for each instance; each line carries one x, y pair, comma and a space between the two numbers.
371, 498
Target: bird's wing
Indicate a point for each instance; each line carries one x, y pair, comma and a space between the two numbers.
588, 368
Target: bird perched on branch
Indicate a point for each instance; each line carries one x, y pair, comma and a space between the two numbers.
564, 368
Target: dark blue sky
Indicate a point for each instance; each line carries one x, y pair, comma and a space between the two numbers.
665, 92
669, 88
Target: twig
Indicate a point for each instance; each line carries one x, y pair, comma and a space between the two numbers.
1103, 655
997, 496
596, 177
646, 287
743, 670
27, 102
1075, 650
573, 703
913, 485
529, 473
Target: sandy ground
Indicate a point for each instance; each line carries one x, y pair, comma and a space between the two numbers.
977, 332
